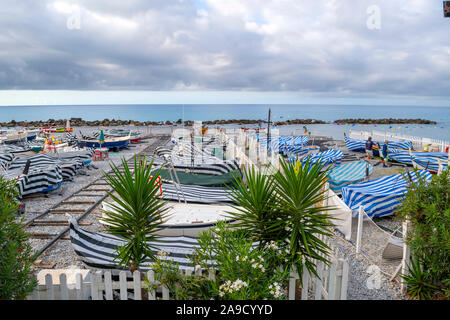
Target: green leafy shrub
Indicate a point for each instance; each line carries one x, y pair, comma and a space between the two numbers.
242, 272
426, 206
137, 211
16, 280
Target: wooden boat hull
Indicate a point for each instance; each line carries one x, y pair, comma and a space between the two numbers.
110, 144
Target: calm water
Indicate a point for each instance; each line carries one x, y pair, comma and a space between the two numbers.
217, 112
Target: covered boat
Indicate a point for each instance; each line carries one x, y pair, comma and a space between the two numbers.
326, 158
38, 179
433, 164
299, 151
195, 194
206, 180
98, 250
188, 219
380, 197
68, 167
217, 169
407, 156
110, 143
348, 173
360, 145
13, 136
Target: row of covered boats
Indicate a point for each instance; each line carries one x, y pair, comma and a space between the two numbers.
41, 162
403, 152
196, 183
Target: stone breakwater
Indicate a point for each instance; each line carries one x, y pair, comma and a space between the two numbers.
386, 121
79, 122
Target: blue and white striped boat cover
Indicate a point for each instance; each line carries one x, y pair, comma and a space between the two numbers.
429, 163
360, 145
405, 156
98, 250
380, 197
348, 173
283, 141
299, 151
399, 144
326, 157
355, 144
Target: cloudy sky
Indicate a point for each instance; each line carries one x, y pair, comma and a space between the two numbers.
224, 51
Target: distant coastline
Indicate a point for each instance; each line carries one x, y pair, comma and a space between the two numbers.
78, 122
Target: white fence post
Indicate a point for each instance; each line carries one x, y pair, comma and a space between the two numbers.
63, 287
331, 284
360, 227
108, 286
293, 276
406, 255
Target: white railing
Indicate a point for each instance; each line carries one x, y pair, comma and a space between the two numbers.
418, 142
99, 285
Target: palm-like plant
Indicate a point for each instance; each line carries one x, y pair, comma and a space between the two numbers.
256, 209
136, 212
287, 206
300, 187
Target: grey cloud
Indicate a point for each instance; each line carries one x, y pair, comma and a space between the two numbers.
313, 46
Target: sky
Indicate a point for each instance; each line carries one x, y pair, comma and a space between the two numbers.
217, 51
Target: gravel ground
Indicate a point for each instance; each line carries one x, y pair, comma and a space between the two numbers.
373, 243
61, 253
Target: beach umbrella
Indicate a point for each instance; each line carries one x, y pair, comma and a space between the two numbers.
101, 139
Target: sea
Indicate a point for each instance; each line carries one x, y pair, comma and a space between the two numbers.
204, 112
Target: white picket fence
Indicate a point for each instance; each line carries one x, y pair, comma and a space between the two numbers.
418, 142
99, 285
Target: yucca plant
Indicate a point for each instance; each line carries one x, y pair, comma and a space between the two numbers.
257, 207
300, 187
418, 282
287, 206
136, 212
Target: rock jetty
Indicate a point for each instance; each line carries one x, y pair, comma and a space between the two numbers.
78, 122
386, 121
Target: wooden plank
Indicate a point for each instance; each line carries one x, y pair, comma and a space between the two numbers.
45, 236
56, 223
77, 202
49, 287
108, 286
64, 291
291, 287
123, 285
211, 274
79, 286
44, 265
305, 283
98, 190
165, 293
95, 281
137, 285
55, 211
344, 285
332, 281
318, 282
151, 280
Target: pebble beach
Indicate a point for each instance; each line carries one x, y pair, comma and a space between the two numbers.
62, 255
